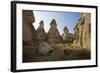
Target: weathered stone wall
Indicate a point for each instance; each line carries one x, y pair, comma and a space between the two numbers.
83, 31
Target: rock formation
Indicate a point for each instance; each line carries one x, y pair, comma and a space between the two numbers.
71, 37
30, 41
65, 35
29, 32
83, 31
41, 34
53, 35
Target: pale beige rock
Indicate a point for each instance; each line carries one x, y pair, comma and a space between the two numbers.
41, 34
83, 31
53, 35
65, 35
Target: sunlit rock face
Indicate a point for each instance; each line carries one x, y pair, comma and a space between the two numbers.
41, 34
53, 35
83, 31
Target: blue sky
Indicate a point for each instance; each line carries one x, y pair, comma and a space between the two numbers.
68, 19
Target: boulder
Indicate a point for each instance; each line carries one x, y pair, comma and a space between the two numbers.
45, 48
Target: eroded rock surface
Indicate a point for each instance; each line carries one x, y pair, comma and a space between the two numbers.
53, 35
30, 41
41, 34
83, 31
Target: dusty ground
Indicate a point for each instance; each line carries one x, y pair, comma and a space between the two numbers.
60, 52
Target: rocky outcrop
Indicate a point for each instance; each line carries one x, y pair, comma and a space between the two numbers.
30, 41
53, 35
83, 31
65, 35
71, 37
29, 32
41, 34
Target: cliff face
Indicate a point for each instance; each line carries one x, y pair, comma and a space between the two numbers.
41, 34
30, 41
83, 31
53, 35
29, 32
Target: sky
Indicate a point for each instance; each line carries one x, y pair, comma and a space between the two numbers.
68, 19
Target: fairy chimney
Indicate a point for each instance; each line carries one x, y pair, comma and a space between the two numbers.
65, 35
41, 34
53, 35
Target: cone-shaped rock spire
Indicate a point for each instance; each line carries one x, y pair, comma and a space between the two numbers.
53, 35
41, 34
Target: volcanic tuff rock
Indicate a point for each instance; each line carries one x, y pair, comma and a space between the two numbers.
71, 37
65, 35
41, 34
29, 32
30, 41
83, 30
53, 35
